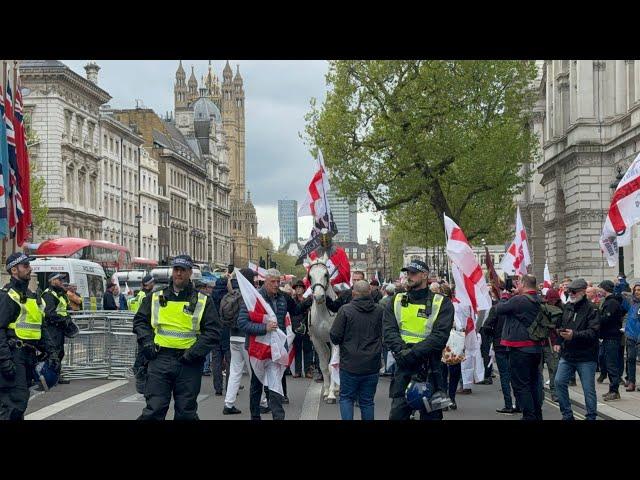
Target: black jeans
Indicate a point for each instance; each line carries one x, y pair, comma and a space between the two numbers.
611, 347
485, 351
525, 379
14, 394
220, 360
167, 376
274, 399
304, 352
632, 353
455, 373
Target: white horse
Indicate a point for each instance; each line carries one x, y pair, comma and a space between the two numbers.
320, 322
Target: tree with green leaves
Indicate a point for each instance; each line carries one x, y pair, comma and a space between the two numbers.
419, 139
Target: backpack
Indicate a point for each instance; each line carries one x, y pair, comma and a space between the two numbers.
230, 308
548, 318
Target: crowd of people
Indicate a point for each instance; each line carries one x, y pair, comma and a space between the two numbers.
189, 329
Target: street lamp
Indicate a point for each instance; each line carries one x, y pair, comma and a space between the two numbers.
233, 249
614, 186
138, 218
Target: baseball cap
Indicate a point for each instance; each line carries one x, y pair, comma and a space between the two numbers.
147, 279
577, 284
16, 259
183, 261
61, 275
416, 266
607, 286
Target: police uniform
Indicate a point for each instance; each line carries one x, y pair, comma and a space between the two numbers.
175, 332
56, 315
21, 337
416, 327
140, 364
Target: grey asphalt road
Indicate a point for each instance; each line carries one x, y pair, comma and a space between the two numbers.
117, 400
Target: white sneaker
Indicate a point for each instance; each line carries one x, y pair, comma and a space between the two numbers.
547, 383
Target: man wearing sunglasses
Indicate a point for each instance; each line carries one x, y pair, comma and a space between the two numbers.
577, 344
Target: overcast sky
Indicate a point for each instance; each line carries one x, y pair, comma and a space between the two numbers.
277, 95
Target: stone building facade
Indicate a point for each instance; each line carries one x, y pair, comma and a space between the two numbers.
217, 109
149, 205
120, 186
63, 108
588, 120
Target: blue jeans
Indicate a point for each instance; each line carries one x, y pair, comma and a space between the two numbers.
357, 387
207, 363
502, 360
587, 373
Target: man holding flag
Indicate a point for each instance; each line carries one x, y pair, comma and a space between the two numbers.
262, 314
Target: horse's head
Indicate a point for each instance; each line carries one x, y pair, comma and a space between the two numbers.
319, 279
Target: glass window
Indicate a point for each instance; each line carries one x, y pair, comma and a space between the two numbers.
95, 286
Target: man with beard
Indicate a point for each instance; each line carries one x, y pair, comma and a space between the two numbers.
578, 347
416, 327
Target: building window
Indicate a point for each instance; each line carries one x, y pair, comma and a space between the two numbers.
111, 144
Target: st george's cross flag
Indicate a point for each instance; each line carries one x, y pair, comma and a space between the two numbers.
471, 286
624, 212
270, 354
547, 279
517, 259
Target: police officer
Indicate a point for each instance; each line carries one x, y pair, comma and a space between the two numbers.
147, 286
21, 336
140, 364
176, 327
56, 316
416, 327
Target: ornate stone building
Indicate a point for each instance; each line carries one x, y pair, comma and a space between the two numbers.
64, 111
120, 186
588, 121
222, 105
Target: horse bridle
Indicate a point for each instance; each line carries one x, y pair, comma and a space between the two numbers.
319, 284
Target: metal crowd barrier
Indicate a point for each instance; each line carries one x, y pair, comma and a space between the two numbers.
105, 347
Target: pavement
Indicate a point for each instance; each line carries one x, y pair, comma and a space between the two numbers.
627, 408
118, 400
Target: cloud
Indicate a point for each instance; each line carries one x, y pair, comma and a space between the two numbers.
278, 164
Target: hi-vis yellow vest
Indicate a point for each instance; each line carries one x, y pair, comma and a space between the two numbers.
28, 325
412, 320
174, 327
135, 302
61, 309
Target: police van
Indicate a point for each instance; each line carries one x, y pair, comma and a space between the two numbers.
130, 278
88, 276
162, 275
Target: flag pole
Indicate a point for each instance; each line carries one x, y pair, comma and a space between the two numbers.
2, 87
13, 100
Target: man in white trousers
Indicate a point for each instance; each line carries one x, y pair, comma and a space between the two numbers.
239, 355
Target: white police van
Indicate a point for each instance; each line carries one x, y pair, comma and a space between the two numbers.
162, 275
88, 276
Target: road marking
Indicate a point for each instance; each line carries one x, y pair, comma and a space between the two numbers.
311, 404
139, 398
575, 414
74, 400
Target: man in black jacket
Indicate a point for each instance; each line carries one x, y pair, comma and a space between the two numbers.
56, 316
610, 315
357, 329
20, 340
525, 354
176, 327
108, 300
416, 352
578, 347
